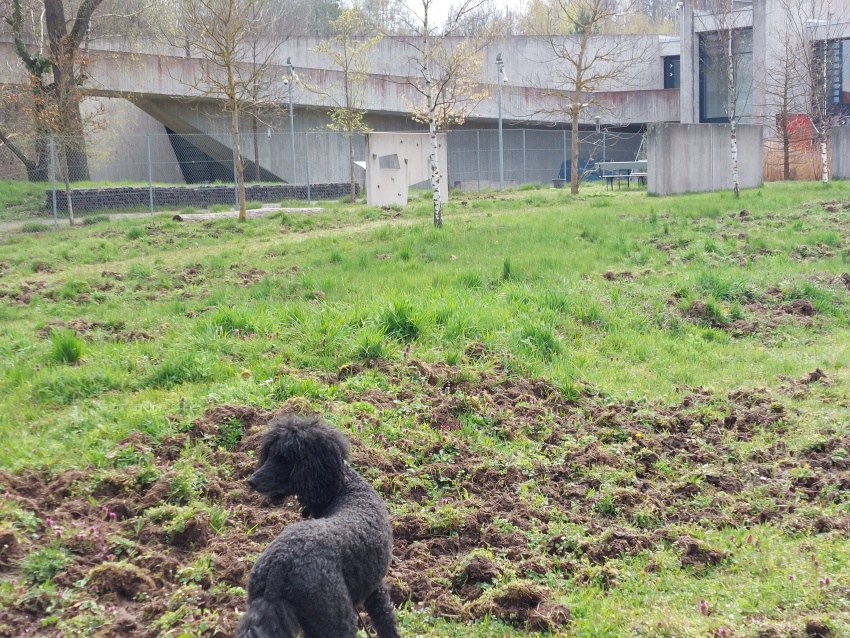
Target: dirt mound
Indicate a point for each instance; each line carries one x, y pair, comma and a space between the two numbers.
522, 603
168, 533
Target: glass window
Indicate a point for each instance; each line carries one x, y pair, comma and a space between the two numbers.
671, 72
715, 65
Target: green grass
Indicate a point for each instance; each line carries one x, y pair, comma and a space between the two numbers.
545, 377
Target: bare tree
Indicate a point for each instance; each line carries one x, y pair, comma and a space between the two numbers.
56, 69
229, 36
347, 52
728, 65
821, 51
584, 59
446, 75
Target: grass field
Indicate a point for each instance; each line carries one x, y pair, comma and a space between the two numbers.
610, 415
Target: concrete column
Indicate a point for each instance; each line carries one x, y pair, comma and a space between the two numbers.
761, 25
689, 67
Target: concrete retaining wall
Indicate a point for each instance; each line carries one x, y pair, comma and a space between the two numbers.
686, 158
840, 160
88, 199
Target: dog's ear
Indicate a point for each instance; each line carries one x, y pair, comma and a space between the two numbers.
270, 441
319, 471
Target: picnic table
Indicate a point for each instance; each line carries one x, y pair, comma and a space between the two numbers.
611, 171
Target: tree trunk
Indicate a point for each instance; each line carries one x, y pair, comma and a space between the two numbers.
734, 150
432, 128
256, 148
435, 170
237, 158
786, 154
63, 52
574, 146
823, 161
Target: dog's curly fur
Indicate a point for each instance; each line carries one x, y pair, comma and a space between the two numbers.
313, 575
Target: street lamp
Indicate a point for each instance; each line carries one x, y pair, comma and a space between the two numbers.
289, 82
502, 79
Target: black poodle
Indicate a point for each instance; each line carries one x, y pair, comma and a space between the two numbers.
315, 572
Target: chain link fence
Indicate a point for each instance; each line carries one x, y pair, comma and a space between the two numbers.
151, 169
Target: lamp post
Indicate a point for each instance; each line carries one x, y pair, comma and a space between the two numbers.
500, 67
289, 82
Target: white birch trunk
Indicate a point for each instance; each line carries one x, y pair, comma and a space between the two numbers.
435, 171
823, 162
432, 128
734, 151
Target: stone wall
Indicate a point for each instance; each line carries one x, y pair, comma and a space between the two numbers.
89, 199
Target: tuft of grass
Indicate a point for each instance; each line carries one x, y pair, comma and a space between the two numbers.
91, 220
135, 232
184, 367
540, 339
400, 320
371, 344
66, 347
507, 270
34, 227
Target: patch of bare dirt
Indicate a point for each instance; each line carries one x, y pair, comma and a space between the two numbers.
461, 521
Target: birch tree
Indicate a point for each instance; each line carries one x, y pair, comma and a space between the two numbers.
727, 53
821, 50
237, 61
347, 51
446, 75
585, 58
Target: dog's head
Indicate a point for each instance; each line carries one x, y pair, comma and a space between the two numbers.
304, 457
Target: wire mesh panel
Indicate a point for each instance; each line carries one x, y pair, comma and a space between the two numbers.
154, 170
531, 156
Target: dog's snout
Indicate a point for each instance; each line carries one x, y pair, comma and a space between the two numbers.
252, 481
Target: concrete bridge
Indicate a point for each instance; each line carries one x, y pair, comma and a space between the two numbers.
145, 88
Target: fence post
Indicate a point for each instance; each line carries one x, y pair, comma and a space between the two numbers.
478, 155
53, 183
524, 168
150, 174
565, 155
307, 162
